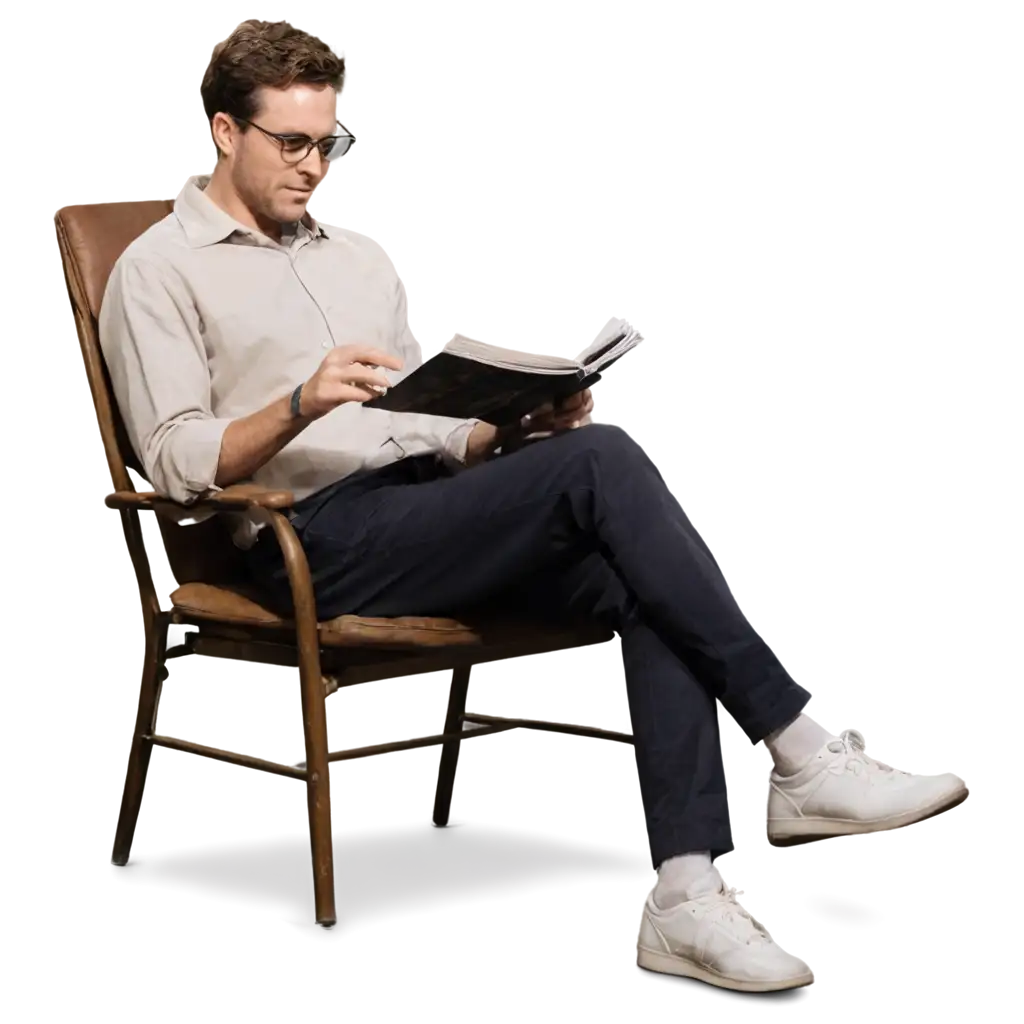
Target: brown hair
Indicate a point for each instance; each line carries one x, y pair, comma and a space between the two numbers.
271, 53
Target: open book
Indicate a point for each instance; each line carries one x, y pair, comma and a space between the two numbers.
470, 379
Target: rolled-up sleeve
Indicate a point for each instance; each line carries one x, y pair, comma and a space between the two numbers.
151, 340
447, 435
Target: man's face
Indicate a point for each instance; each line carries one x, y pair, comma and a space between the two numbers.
276, 186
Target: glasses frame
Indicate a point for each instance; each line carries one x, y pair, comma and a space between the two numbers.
282, 139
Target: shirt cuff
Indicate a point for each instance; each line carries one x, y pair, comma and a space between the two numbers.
185, 466
454, 452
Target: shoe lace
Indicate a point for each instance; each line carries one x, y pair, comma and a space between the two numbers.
852, 743
725, 909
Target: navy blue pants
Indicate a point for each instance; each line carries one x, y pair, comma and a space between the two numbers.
578, 525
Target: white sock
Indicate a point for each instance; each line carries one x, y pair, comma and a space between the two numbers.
795, 744
685, 876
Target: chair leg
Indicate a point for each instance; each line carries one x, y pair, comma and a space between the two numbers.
314, 718
318, 788
154, 673
450, 749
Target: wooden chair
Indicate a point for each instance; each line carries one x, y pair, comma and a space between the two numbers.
214, 596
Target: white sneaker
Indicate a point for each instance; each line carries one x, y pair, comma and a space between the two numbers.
843, 792
710, 937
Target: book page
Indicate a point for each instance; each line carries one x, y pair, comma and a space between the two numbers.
613, 340
508, 359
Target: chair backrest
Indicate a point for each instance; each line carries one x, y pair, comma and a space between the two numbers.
91, 238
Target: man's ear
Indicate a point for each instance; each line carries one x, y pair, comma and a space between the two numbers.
221, 131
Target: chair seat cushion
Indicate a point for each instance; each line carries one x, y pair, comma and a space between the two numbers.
239, 605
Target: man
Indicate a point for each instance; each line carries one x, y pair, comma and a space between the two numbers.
242, 337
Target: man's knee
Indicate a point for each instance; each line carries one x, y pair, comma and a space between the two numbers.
605, 440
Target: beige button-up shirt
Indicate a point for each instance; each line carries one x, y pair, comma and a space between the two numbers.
205, 320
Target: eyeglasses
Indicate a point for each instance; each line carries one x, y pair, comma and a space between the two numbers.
295, 148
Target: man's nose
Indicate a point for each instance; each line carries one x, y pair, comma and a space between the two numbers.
313, 166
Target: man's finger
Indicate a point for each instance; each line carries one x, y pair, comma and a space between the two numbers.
578, 409
376, 357
360, 374
349, 393
364, 354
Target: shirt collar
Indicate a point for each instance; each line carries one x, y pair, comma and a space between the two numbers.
204, 222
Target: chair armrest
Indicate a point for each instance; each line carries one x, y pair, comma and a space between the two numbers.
237, 497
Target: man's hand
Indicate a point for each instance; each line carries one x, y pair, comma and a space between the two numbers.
485, 438
565, 415
347, 374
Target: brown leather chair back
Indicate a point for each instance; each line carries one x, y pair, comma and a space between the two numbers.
91, 238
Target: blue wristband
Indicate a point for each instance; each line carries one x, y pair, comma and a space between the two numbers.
296, 396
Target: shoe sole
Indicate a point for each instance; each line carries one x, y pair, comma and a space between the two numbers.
665, 963
794, 831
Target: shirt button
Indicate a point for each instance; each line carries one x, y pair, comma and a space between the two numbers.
326, 344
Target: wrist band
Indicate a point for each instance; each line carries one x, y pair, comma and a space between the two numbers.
296, 397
